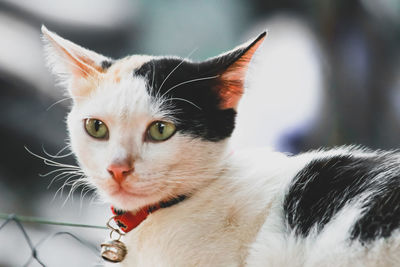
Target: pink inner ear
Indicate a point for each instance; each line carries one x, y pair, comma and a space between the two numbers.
231, 85
84, 66
80, 64
231, 93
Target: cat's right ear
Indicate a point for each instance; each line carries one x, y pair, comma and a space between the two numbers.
76, 66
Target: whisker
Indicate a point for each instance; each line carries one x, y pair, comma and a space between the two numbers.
63, 175
61, 150
57, 102
95, 198
57, 155
185, 100
190, 81
50, 162
74, 185
61, 189
54, 171
174, 69
85, 186
154, 73
60, 176
88, 189
66, 183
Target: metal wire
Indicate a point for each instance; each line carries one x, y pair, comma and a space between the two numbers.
28, 219
18, 220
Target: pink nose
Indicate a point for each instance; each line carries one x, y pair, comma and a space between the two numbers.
119, 171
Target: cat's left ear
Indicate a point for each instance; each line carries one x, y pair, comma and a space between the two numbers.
74, 64
231, 68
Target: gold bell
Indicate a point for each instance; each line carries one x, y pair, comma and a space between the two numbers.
113, 251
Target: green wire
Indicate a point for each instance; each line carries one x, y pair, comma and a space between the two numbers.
28, 219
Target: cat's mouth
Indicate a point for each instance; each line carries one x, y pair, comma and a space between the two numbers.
129, 190
130, 194
130, 197
123, 191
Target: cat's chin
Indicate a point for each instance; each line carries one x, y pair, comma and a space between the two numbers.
126, 200
123, 193
131, 195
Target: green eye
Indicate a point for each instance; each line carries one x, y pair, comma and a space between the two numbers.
96, 128
161, 130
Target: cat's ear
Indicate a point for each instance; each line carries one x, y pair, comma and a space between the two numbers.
231, 68
77, 66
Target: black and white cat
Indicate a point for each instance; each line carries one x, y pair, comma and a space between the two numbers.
154, 132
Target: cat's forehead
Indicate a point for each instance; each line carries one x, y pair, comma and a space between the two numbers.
121, 93
125, 66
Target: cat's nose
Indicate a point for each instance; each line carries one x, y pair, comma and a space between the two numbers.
119, 171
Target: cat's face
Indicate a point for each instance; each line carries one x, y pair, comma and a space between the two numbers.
161, 169
146, 129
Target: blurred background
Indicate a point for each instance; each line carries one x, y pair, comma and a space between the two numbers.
328, 74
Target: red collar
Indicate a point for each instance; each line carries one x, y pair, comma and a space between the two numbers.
127, 220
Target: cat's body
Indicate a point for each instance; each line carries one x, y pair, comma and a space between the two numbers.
240, 219
148, 129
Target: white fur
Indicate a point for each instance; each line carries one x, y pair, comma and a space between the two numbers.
234, 216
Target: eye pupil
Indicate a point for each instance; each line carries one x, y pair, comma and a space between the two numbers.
161, 128
97, 124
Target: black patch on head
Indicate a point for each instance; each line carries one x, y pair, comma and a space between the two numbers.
194, 90
325, 186
189, 89
105, 64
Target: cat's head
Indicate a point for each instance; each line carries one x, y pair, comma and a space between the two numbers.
145, 128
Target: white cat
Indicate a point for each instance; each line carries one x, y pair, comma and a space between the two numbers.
152, 134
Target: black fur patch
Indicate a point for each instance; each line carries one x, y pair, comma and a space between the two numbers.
195, 103
325, 186
383, 213
106, 64
192, 90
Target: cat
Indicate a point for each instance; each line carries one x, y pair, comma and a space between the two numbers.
154, 132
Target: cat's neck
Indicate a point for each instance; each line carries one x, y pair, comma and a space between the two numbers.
231, 204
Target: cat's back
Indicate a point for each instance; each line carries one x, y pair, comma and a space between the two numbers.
341, 208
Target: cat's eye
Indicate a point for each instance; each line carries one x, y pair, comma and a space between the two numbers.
160, 130
96, 128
